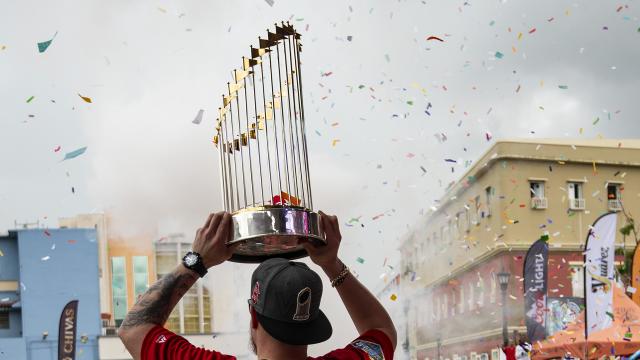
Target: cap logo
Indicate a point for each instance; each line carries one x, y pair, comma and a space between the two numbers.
255, 294
303, 305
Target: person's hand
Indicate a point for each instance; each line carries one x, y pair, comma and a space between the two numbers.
327, 255
211, 239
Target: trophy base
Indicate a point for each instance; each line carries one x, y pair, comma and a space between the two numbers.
274, 231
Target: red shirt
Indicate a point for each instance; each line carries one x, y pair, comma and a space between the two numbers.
162, 344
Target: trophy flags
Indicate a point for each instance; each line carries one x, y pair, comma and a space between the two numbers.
535, 291
67, 331
598, 273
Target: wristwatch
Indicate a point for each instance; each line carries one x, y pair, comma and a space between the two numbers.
193, 261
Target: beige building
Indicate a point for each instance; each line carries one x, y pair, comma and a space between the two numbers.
485, 222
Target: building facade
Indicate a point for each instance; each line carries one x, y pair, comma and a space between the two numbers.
41, 270
485, 223
126, 266
192, 315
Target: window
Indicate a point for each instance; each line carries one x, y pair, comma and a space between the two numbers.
614, 196
445, 306
461, 301
119, 288
471, 299
140, 275
576, 198
480, 286
577, 279
536, 191
454, 303
437, 308
467, 217
494, 289
4, 320
478, 212
488, 194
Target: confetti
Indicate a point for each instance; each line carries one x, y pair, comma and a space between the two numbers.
43, 46
1, 253
334, 142
74, 153
532, 31
631, 290
57, 148
86, 99
45, 258
563, 87
499, 55
198, 118
31, 98
393, 297
360, 260
47, 233
270, 2
434, 38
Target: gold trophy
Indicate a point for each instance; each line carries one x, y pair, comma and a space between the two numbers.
262, 145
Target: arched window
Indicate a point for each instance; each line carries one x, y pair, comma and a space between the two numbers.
471, 287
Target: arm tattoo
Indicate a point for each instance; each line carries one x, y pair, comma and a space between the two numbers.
154, 307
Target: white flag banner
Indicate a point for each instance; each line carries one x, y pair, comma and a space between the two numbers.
599, 273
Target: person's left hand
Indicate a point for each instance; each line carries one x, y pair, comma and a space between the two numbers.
211, 239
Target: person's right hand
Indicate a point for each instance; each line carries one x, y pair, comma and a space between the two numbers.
326, 255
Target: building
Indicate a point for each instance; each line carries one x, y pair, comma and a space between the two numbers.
192, 315
398, 308
40, 272
126, 264
485, 223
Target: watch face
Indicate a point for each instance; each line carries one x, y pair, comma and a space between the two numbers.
191, 259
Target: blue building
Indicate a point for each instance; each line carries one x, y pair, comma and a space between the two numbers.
40, 272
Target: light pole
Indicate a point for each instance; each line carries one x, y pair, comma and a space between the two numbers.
503, 280
439, 344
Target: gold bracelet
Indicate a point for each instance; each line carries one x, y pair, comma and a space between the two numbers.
341, 277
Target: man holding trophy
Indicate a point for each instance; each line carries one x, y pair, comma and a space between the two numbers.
284, 304
268, 218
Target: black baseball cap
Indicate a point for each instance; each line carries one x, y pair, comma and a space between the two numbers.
286, 297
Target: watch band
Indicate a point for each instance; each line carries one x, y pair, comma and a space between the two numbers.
198, 267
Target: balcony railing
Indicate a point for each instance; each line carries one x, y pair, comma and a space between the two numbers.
615, 205
538, 203
576, 204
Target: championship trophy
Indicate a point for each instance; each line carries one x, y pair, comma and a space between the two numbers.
262, 145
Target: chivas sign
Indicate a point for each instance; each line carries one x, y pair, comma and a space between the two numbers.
535, 291
67, 331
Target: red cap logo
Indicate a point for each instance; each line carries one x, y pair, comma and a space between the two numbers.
255, 294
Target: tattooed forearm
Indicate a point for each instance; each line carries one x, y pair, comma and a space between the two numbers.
157, 303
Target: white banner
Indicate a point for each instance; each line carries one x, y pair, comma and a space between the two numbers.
599, 273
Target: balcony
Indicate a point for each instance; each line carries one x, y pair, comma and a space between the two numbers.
614, 205
538, 203
576, 204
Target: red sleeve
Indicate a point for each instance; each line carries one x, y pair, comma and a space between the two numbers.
372, 345
162, 344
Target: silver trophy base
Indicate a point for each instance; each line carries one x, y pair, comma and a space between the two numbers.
274, 231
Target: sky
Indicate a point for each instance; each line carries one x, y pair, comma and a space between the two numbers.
399, 104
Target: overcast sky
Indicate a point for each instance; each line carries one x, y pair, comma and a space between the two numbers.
149, 66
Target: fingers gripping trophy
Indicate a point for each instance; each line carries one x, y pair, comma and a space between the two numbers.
262, 147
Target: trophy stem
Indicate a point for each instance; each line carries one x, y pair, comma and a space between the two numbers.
291, 141
233, 145
240, 146
302, 121
284, 135
256, 130
275, 130
266, 128
248, 137
296, 124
